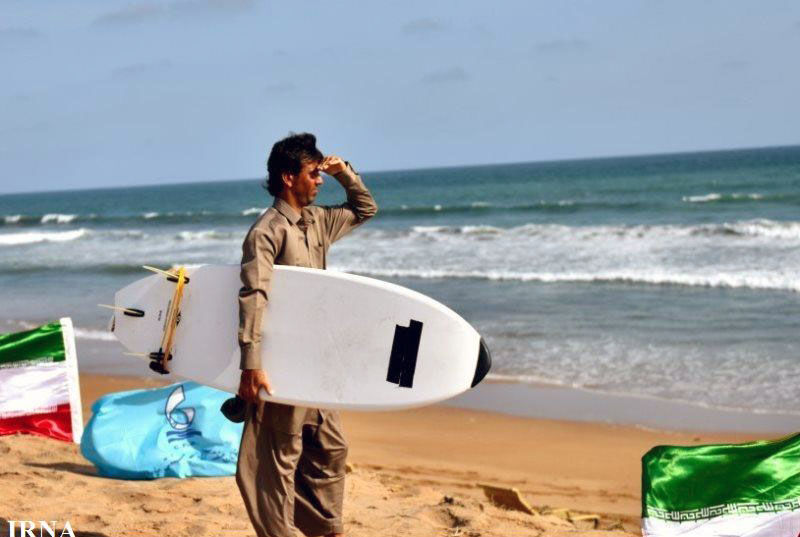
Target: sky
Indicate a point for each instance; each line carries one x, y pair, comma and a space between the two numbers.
105, 93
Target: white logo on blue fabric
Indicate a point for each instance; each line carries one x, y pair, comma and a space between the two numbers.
179, 419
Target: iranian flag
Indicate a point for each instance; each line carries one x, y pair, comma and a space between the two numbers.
731, 490
39, 392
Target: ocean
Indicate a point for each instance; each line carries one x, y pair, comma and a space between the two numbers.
668, 276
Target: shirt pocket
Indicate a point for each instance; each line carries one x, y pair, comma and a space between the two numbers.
293, 253
316, 252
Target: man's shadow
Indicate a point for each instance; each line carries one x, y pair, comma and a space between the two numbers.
4, 530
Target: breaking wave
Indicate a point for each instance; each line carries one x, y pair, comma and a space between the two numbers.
629, 277
246, 214
770, 229
94, 335
748, 254
31, 237
58, 218
741, 197
209, 234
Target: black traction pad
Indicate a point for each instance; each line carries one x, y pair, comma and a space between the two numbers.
403, 358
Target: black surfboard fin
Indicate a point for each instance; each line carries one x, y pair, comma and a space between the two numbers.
484, 363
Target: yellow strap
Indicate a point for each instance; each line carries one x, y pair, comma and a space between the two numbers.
172, 317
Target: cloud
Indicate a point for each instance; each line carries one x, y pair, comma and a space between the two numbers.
482, 31
281, 88
446, 76
423, 27
200, 7
19, 34
560, 46
144, 12
131, 14
734, 65
136, 70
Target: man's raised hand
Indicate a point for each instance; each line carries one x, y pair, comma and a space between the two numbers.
332, 165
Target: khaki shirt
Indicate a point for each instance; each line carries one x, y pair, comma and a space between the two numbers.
282, 236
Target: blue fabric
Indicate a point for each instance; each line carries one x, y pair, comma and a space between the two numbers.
175, 431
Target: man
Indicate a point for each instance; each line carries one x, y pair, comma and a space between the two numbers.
292, 459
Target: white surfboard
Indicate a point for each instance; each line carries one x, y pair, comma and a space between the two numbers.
330, 339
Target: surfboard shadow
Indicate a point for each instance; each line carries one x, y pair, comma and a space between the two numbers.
80, 469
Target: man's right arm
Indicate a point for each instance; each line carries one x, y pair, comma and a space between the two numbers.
258, 257
359, 207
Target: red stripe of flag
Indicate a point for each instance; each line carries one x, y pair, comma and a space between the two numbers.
56, 424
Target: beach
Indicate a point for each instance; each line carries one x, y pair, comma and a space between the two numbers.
414, 472
628, 302
601, 204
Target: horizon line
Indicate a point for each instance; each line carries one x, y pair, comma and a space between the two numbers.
424, 168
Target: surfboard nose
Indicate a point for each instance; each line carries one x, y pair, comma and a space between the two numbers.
484, 363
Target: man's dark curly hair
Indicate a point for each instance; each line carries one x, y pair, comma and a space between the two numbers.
288, 156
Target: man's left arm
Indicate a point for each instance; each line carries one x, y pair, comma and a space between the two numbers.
359, 207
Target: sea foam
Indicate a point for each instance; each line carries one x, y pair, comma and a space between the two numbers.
716, 196
768, 229
15, 239
650, 277
209, 234
253, 210
58, 218
94, 335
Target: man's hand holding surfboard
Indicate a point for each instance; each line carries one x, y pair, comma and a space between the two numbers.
251, 382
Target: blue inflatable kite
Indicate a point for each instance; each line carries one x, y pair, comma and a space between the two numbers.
176, 431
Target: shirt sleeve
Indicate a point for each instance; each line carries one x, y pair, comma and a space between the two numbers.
359, 207
258, 257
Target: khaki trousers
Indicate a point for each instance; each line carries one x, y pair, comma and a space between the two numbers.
291, 470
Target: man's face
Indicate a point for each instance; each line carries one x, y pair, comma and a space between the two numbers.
305, 184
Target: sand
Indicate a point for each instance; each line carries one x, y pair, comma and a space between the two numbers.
414, 473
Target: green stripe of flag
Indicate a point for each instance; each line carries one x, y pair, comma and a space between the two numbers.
703, 481
43, 343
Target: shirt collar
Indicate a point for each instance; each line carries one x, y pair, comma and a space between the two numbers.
287, 210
